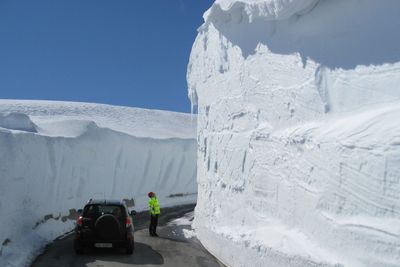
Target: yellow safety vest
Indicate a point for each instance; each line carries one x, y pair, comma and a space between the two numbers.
154, 206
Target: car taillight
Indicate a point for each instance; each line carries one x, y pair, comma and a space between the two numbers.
128, 222
79, 222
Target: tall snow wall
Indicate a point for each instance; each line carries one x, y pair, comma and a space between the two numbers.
298, 132
51, 165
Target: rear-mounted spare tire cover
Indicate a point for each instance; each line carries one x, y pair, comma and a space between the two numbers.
107, 227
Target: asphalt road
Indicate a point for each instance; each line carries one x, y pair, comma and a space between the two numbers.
171, 248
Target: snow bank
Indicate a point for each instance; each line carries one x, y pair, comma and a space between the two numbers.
298, 131
47, 173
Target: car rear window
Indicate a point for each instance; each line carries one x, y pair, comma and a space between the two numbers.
96, 210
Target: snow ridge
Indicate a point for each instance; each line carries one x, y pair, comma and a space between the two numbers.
17, 121
133, 121
252, 9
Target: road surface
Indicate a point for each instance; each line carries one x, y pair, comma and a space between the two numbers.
170, 249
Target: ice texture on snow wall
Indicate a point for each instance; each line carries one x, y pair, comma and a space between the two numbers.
299, 132
54, 156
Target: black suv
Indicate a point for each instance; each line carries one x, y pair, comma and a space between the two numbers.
104, 224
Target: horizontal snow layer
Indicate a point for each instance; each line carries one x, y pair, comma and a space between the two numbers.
46, 173
298, 131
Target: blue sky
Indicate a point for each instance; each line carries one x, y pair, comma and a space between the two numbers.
120, 52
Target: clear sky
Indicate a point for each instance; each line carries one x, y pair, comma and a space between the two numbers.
121, 52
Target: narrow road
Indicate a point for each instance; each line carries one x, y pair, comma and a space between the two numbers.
171, 249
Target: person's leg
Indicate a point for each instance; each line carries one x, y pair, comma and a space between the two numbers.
151, 227
155, 225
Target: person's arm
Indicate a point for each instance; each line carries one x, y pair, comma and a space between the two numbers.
151, 206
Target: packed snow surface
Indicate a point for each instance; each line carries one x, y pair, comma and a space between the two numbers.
54, 156
298, 132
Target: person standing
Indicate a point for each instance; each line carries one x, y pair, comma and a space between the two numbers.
154, 208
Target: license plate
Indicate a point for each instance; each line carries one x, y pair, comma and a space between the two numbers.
103, 245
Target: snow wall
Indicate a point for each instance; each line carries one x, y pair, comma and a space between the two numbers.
299, 132
55, 156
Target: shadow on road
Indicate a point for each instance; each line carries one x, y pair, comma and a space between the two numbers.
143, 255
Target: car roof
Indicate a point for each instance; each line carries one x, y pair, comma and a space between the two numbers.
104, 202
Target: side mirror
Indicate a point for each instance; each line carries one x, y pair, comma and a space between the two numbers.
80, 211
133, 212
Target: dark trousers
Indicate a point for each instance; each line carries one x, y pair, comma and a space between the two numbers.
153, 224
